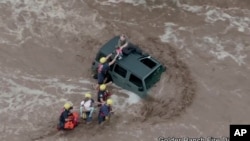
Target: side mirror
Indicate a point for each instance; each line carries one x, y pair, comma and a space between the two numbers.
140, 89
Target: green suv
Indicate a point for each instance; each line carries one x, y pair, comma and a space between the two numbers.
134, 72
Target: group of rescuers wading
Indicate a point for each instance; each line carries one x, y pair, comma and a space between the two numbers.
69, 119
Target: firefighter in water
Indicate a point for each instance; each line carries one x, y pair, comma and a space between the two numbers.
65, 115
105, 111
102, 94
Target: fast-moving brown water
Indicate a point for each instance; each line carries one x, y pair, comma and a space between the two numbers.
47, 47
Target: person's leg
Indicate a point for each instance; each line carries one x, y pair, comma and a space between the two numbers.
89, 118
82, 113
91, 110
100, 78
126, 51
100, 119
80, 110
60, 126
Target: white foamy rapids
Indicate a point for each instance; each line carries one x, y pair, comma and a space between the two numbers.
19, 92
25, 16
122, 102
24, 98
133, 2
219, 43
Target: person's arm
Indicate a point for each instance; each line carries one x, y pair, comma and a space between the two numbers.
123, 46
101, 98
107, 57
92, 103
113, 61
66, 117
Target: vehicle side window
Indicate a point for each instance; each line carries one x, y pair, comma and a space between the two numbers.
121, 71
135, 80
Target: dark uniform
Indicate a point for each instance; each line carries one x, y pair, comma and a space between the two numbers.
62, 120
102, 72
104, 112
104, 95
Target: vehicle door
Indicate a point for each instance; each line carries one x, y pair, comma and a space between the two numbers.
118, 75
135, 84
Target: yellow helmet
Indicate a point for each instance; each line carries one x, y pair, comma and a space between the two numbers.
103, 60
103, 87
109, 101
67, 106
87, 95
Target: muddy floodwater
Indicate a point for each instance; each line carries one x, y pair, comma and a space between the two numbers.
47, 48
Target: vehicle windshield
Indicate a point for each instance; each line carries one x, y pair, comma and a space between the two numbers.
153, 77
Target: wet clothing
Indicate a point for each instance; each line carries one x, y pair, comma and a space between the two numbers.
62, 120
102, 72
104, 95
103, 68
87, 105
65, 114
100, 78
104, 112
101, 94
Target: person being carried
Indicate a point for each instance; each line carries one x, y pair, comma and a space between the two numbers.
87, 108
103, 69
102, 94
105, 111
67, 119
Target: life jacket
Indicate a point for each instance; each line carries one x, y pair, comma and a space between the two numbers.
73, 122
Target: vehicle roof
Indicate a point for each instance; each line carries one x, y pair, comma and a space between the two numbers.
110, 46
133, 64
130, 62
